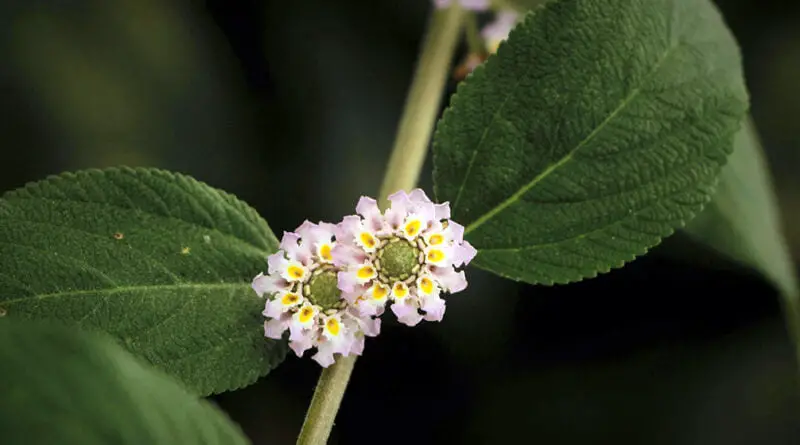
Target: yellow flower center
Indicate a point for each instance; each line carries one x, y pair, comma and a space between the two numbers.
296, 272
435, 255
325, 252
290, 299
305, 314
400, 290
426, 285
412, 228
379, 292
333, 326
436, 239
366, 272
367, 240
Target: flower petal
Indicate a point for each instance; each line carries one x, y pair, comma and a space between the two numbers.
342, 345
455, 231
274, 328
368, 208
449, 279
434, 307
268, 284
463, 254
357, 345
314, 234
366, 324
345, 255
324, 355
351, 297
295, 251
426, 211
418, 196
276, 262
400, 201
273, 309
406, 313
347, 229
301, 343
394, 218
369, 307
442, 211
347, 281
371, 326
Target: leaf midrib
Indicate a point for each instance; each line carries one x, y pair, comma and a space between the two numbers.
570, 154
123, 289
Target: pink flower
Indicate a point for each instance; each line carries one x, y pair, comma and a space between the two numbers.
303, 297
407, 255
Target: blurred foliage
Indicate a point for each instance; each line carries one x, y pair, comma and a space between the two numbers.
292, 106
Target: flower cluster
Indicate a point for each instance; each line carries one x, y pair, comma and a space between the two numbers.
329, 284
304, 298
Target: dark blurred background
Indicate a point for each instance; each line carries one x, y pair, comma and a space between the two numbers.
256, 96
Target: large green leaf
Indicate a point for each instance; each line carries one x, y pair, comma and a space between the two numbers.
159, 260
61, 386
598, 128
743, 222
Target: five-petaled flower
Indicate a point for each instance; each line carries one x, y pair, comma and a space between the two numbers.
406, 256
303, 297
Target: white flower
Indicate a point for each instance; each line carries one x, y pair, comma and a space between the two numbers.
409, 257
303, 297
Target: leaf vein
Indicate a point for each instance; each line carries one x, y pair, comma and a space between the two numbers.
567, 157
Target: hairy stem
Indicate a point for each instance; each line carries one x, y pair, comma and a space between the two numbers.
408, 154
325, 403
423, 102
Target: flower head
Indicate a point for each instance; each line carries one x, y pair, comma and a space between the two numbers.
303, 297
473, 5
406, 256
497, 31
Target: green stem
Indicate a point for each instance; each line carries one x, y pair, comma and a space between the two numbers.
473, 35
405, 163
423, 102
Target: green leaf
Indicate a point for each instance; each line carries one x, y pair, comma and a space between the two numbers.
61, 386
742, 221
598, 128
157, 259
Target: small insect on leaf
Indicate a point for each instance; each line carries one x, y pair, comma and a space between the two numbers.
119, 235
185, 250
